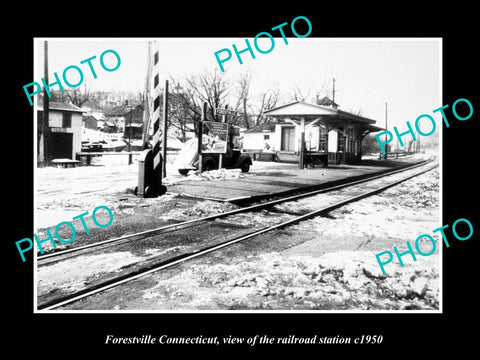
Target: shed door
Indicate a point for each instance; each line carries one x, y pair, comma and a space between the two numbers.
288, 139
61, 145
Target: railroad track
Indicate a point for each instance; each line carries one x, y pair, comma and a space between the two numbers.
351, 192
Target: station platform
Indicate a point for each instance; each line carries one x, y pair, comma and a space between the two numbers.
280, 179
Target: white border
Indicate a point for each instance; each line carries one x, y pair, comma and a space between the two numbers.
439, 311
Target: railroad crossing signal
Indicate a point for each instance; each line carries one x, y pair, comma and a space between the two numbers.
152, 161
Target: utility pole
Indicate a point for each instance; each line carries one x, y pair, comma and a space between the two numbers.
220, 156
46, 108
333, 91
386, 129
165, 129
200, 137
130, 138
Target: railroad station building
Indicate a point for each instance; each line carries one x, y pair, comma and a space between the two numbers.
328, 133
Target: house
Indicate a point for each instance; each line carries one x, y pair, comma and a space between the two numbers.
90, 122
63, 132
127, 119
327, 133
326, 101
260, 137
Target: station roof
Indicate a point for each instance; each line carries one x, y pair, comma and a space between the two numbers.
298, 109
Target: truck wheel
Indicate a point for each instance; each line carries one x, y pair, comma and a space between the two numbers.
245, 167
154, 191
162, 190
209, 165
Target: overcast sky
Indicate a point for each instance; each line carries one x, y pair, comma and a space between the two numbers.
406, 73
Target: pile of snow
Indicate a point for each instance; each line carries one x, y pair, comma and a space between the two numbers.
212, 175
421, 192
338, 280
219, 174
200, 209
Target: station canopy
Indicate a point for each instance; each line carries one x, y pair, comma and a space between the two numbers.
310, 114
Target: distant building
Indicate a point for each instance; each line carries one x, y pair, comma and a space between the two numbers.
326, 101
260, 137
90, 122
64, 131
128, 119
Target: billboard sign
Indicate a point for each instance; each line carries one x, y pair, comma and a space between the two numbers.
215, 137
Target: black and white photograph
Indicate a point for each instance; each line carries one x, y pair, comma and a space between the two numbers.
318, 203
278, 187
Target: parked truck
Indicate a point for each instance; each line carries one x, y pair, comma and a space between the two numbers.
188, 158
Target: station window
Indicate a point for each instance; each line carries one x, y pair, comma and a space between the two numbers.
322, 139
341, 142
67, 120
351, 141
266, 137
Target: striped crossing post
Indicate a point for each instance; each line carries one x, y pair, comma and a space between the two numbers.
157, 121
150, 161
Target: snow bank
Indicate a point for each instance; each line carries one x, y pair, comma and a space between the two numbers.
337, 280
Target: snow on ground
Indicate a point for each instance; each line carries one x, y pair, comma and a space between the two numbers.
335, 281
321, 273
324, 273
73, 275
62, 193
392, 213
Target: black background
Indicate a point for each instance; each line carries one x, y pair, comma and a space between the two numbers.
61, 335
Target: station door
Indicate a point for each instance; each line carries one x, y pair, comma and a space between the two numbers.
288, 139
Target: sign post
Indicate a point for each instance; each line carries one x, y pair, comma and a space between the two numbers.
220, 157
200, 137
224, 113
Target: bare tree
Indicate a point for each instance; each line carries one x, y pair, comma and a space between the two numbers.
321, 89
78, 97
268, 100
370, 144
180, 114
243, 106
209, 87
182, 109
298, 94
189, 94
213, 87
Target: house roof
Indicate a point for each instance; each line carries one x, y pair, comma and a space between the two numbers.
123, 110
117, 111
265, 127
325, 101
89, 117
60, 106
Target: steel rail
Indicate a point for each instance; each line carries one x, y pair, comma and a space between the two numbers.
185, 224
67, 299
